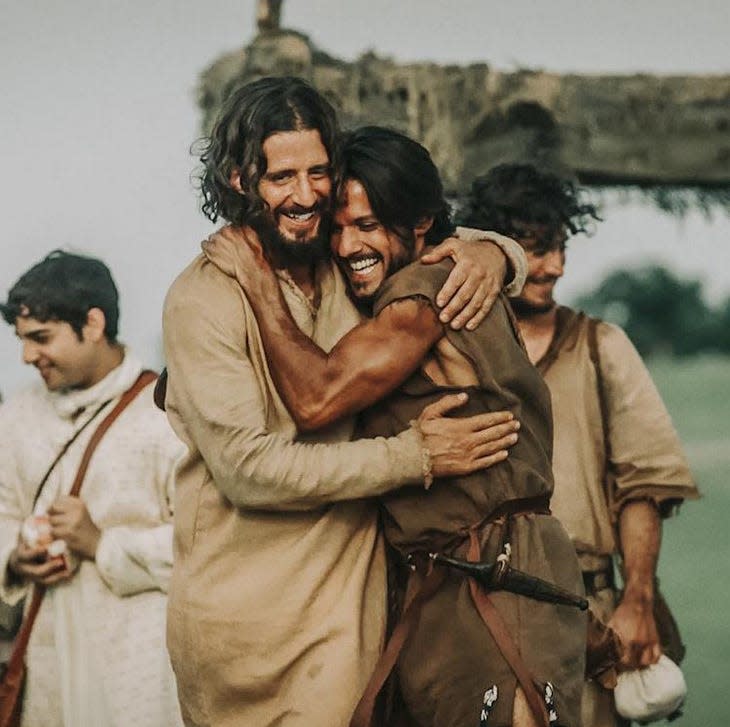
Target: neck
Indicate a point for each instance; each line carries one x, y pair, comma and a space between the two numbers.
537, 331
304, 277
111, 356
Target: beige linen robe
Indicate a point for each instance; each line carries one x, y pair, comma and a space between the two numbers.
97, 651
646, 458
277, 601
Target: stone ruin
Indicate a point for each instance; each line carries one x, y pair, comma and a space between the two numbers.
661, 133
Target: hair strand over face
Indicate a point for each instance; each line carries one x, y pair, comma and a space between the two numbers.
402, 182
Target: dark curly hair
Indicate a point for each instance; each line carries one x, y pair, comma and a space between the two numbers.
248, 116
512, 195
65, 287
402, 182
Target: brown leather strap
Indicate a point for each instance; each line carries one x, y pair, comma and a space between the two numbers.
539, 505
363, 714
145, 378
502, 637
14, 672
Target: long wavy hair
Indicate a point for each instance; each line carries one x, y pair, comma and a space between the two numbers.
402, 182
248, 116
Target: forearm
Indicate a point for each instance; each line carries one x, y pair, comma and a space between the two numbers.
640, 536
320, 388
275, 474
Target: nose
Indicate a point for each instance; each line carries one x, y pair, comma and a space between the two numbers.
554, 261
348, 242
304, 193
30, 352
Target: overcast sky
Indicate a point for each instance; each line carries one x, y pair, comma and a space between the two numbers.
98, 115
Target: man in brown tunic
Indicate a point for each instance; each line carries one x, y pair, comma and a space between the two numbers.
451, 671
618, 464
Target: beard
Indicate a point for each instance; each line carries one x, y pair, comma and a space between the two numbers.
284, 252
365, 303
526, 309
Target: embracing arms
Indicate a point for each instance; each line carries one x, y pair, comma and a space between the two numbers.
219, 403
364, 366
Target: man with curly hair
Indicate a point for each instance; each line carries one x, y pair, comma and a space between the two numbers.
618, 464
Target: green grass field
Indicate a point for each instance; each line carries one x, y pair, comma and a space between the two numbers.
694, 568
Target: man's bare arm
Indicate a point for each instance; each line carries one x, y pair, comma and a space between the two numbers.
640, 534
368, 363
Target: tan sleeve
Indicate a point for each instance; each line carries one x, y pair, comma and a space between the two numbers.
216, 403
513, 252
646, 455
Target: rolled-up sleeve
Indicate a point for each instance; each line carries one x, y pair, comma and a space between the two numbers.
646, 457
512, 250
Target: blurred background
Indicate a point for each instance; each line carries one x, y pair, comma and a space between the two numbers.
102, 101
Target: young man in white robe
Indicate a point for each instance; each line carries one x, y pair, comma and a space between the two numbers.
97, 649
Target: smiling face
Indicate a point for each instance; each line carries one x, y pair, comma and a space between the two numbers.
296, 188
63, 361
366, 251
545, 266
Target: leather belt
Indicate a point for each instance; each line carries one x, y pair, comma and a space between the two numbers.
595, 581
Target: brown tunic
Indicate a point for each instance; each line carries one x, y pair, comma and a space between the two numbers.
450, 664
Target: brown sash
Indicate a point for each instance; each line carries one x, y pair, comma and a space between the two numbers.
363, 714
11, 687
502, 637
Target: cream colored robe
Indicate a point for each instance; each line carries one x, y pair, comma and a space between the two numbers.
277, 602
97, 651
646, 457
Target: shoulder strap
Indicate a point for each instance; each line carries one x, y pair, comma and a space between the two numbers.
146, 377
600, 383
504, 640
14, 670
64, 449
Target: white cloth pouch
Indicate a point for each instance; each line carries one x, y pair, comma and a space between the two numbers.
651, 694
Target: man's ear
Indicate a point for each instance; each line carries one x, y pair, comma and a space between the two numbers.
234, 180
95, 324
423, 226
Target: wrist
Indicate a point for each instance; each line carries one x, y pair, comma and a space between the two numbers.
426, 463
639, 592
508, 271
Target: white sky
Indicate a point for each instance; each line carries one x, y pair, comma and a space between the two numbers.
98, 115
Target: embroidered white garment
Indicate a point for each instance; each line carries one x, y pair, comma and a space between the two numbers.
97, 653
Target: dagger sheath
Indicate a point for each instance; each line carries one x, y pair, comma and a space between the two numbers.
501, 576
